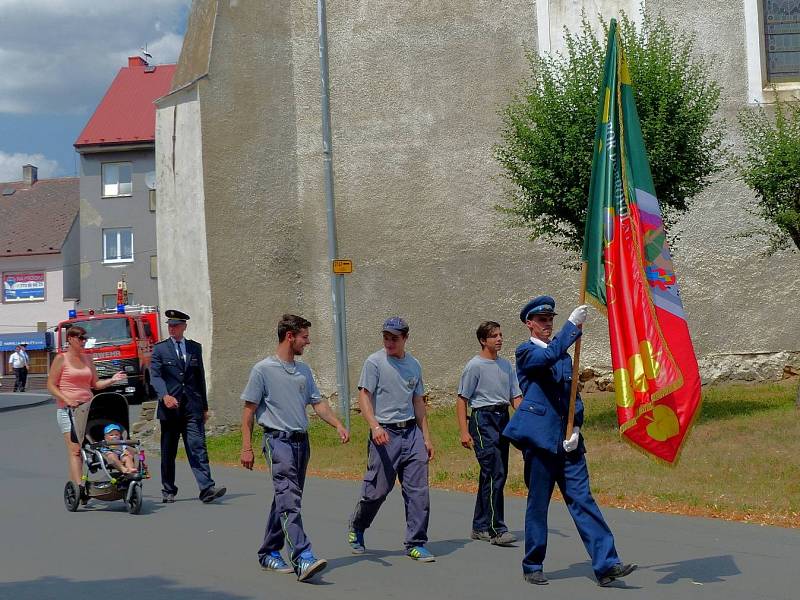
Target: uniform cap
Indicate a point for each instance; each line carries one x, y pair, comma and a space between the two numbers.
175, 317
541, 305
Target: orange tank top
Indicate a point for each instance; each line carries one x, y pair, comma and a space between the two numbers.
75, 383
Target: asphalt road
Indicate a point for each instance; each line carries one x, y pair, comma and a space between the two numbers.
189, 550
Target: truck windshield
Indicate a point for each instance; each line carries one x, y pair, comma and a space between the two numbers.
104, 332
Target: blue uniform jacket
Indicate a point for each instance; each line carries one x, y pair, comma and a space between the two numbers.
545, 377
188, 385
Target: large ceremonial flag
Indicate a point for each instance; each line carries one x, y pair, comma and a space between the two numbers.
629, 276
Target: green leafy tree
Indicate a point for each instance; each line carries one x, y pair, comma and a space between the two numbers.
548, 127
770, 166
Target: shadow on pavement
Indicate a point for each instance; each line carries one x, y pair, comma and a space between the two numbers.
700, 570
153, 588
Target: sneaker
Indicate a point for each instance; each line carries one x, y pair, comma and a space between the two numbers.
481, 535
212, 494
356, 541
274, 562
309, 566
420, 553
536, 578
615, 572
167, 498
504, 539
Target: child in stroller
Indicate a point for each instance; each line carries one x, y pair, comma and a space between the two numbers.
113, 465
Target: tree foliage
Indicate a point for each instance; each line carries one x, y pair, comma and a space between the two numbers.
548, 127
770, 166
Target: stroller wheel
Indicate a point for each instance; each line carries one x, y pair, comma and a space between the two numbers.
72, 496
134, 498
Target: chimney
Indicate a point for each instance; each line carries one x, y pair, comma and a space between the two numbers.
136, 61
30, 175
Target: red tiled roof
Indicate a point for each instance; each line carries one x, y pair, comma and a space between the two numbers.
36, 220
126, 114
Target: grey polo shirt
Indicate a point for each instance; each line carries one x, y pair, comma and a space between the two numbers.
487, 382
392, 383
281, 392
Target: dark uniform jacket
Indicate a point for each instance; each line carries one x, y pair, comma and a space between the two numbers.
187, 383
545, 378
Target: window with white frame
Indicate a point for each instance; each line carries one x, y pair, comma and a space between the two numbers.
117, 179
782, 40
118, 245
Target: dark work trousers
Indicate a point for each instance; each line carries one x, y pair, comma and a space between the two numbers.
542, 471
491, 449
20, 379
404, 458
287, 454
193, 431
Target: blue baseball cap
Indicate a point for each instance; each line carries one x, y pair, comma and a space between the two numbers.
541, 305
112, 427
396, 325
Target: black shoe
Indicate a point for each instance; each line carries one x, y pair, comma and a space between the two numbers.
167, 498
212, 494
615, 572
536, 578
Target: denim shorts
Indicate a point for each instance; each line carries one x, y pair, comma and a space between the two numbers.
64, 422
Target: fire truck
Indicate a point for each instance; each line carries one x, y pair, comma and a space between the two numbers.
119, 339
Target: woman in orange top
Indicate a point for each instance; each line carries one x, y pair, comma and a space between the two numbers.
71, 381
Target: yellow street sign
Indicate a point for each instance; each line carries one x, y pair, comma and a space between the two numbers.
342, 266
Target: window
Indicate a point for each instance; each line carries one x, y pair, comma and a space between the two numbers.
110, 300
117, 179
154, 267
782, 40
118, 245
103, 332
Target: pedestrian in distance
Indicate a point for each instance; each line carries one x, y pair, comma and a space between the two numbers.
20, 362
488, 387
538, 428
277, 393
179, 379
391, 398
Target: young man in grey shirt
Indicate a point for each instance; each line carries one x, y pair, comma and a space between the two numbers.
391, 401
488, 386
276, 396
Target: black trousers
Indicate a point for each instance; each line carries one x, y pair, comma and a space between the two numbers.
491, 449
20, 379
193, 432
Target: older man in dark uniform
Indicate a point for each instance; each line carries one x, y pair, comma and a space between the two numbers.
539, 428
178, 376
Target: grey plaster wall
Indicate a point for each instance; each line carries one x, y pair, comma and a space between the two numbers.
416, 89
71, 252
97, 213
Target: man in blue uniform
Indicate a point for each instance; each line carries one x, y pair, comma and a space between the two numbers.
538, 428
392, 402
488, 386
179, 379
277, 393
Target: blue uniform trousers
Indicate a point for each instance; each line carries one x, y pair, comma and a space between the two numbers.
404, 458
287, 454
491, 449
193, 431
542, 471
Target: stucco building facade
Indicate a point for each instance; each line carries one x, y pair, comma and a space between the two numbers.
415, 94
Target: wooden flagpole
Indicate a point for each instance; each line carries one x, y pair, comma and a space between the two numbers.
576, 359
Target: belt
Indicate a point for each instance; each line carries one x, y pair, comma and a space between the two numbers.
399, 424
294, 436
499, 408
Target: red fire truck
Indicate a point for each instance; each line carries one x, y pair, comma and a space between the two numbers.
119, 339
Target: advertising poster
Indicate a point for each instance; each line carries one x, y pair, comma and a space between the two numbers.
23, 287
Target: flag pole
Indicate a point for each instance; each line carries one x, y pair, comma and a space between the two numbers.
576, 359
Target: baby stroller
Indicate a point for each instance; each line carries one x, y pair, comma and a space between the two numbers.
101, 480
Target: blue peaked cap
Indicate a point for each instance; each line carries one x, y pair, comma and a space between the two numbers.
541, 305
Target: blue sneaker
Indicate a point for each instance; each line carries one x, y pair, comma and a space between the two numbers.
274, 562
420, 553
308, 566
356, 540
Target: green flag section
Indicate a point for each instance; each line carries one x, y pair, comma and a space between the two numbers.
630, 277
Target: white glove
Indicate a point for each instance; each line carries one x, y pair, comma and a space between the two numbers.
578, 316
572, 442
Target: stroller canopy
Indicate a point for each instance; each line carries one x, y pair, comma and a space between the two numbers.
89, 419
